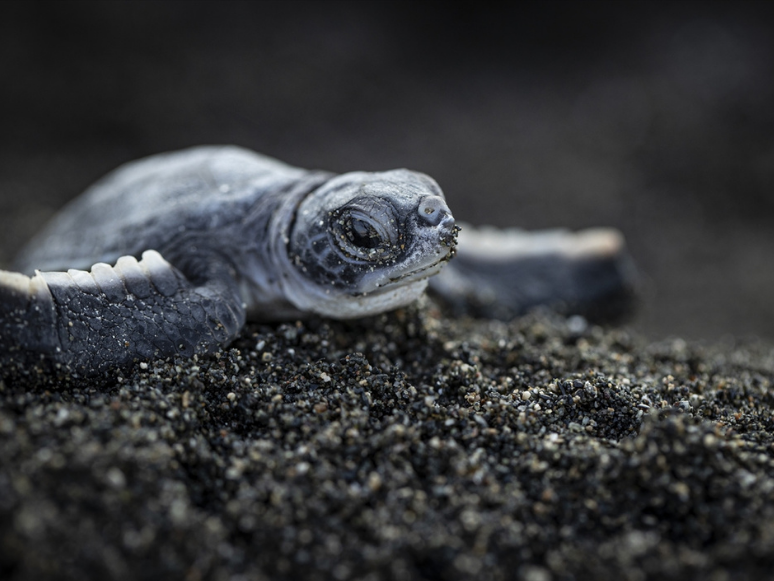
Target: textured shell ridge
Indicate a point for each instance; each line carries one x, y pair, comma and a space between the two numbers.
146, 204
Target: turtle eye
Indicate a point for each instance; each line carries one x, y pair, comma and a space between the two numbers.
366, 230
362, 234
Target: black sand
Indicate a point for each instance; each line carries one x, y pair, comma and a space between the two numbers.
408, 446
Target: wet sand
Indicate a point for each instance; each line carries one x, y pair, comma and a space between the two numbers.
406, 446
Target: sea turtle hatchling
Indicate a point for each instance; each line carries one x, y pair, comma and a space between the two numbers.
202, 239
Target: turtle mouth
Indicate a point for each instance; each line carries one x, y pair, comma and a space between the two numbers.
420, 273
406, 278
448, 251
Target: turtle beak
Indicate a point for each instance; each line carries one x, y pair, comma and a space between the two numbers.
434, 212
448, 231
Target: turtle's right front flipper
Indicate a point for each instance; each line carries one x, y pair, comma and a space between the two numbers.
91, 322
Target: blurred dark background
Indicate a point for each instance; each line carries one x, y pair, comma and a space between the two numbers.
656, 118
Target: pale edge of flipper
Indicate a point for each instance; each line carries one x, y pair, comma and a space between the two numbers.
87, 323
502, 273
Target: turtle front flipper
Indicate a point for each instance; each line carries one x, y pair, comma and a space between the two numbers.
502, 273
90, 322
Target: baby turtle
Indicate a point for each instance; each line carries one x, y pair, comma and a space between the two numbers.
201, 240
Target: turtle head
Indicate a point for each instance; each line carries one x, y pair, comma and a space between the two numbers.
364, 243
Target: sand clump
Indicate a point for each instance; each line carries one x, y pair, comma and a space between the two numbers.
405, 446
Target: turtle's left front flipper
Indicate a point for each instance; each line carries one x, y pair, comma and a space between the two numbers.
91, 322
503, 273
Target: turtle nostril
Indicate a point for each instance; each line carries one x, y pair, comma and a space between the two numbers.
447, 222
432, 210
